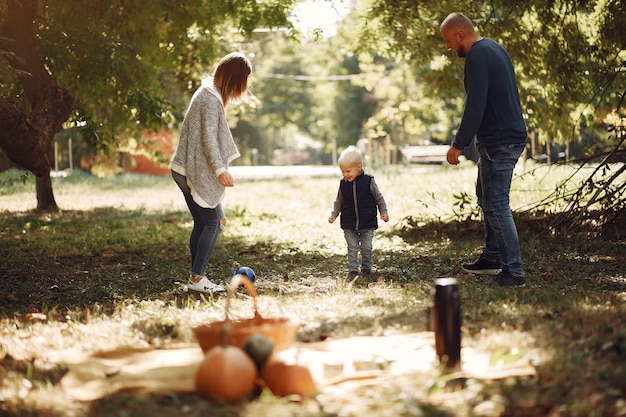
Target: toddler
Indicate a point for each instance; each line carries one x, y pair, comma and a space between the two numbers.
358, 200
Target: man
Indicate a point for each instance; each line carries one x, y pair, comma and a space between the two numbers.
493, 114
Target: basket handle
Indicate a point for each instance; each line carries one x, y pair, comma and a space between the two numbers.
235, 282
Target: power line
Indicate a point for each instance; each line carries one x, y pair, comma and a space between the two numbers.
317, 77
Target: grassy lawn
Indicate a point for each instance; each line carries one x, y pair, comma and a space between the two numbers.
108, 273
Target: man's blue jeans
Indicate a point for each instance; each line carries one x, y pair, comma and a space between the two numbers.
359, 241
495, 171
206, 227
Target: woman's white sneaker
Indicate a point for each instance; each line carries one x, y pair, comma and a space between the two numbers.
205, 286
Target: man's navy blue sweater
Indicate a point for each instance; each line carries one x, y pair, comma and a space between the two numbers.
492, 107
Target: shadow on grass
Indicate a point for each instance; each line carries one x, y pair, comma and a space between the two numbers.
571, 310
84, 259
79, 259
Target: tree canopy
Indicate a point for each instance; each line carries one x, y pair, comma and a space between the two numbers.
569, 55
106, 67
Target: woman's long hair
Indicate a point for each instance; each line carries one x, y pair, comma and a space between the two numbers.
230, 77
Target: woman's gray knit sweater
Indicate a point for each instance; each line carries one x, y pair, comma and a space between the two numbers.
206, 147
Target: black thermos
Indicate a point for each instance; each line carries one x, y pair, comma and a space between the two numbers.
447, 322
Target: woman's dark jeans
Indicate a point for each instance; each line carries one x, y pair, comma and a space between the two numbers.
206, 227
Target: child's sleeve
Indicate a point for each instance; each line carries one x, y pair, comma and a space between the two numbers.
337, 204
378, 197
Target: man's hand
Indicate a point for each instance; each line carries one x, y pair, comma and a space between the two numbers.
453, 155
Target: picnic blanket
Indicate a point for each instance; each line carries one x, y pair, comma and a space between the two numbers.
332, 362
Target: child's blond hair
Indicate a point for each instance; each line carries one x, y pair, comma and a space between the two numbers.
351, 156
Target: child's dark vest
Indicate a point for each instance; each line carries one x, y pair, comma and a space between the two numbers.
358, 207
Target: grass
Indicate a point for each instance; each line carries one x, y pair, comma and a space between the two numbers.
108, 272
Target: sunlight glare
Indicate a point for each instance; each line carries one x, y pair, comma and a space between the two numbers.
310, 15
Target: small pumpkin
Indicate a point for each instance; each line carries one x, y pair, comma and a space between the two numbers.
226, 374
285, 379
259, 347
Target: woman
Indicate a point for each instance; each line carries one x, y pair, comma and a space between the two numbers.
200, 164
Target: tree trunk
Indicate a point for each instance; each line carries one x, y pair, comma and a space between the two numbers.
27, 130
45, 196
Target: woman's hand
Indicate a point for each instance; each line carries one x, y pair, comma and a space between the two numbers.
226, 179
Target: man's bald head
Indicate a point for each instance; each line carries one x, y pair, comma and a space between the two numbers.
458, 32
458, 21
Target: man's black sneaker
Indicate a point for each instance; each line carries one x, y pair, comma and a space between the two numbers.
507, 279
482, 266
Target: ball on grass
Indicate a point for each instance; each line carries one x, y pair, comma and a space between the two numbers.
248, 272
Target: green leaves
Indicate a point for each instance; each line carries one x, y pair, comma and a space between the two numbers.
120, 58
563, 51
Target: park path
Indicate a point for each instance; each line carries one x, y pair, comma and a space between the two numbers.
168, 196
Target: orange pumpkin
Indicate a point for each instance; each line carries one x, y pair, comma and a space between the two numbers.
285, 379
226, 374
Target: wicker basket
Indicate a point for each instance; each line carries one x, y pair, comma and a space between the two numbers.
281, 331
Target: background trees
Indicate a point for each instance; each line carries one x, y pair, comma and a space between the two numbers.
115, 69
110, 68
569, 55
